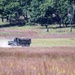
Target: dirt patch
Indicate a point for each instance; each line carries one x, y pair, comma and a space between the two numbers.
4, 43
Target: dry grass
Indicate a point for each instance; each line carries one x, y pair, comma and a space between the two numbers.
30, 61
36, 66
38, 60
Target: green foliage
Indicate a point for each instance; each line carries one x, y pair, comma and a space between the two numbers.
35, 9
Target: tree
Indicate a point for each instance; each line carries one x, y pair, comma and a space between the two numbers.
37, 9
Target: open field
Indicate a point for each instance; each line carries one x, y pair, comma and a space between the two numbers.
36, 32
37, 61
52, 42
50, 53
55, 42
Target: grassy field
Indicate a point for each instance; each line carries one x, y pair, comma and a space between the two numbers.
37, 61
52, 29
52, 42
50, 53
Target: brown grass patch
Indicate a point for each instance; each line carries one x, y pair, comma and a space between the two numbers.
37, 61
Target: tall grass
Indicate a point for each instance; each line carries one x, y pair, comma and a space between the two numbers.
22, 62
36, 66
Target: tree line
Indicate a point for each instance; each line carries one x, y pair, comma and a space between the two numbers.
38, 11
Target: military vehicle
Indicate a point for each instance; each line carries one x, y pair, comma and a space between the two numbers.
20, 42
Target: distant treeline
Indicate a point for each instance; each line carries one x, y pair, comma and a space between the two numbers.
40, 11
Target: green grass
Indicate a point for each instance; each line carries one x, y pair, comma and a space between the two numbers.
53, 29
43, 30
52, 42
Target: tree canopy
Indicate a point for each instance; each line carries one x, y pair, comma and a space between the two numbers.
35, 9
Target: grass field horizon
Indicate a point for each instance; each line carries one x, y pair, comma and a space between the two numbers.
50, 53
